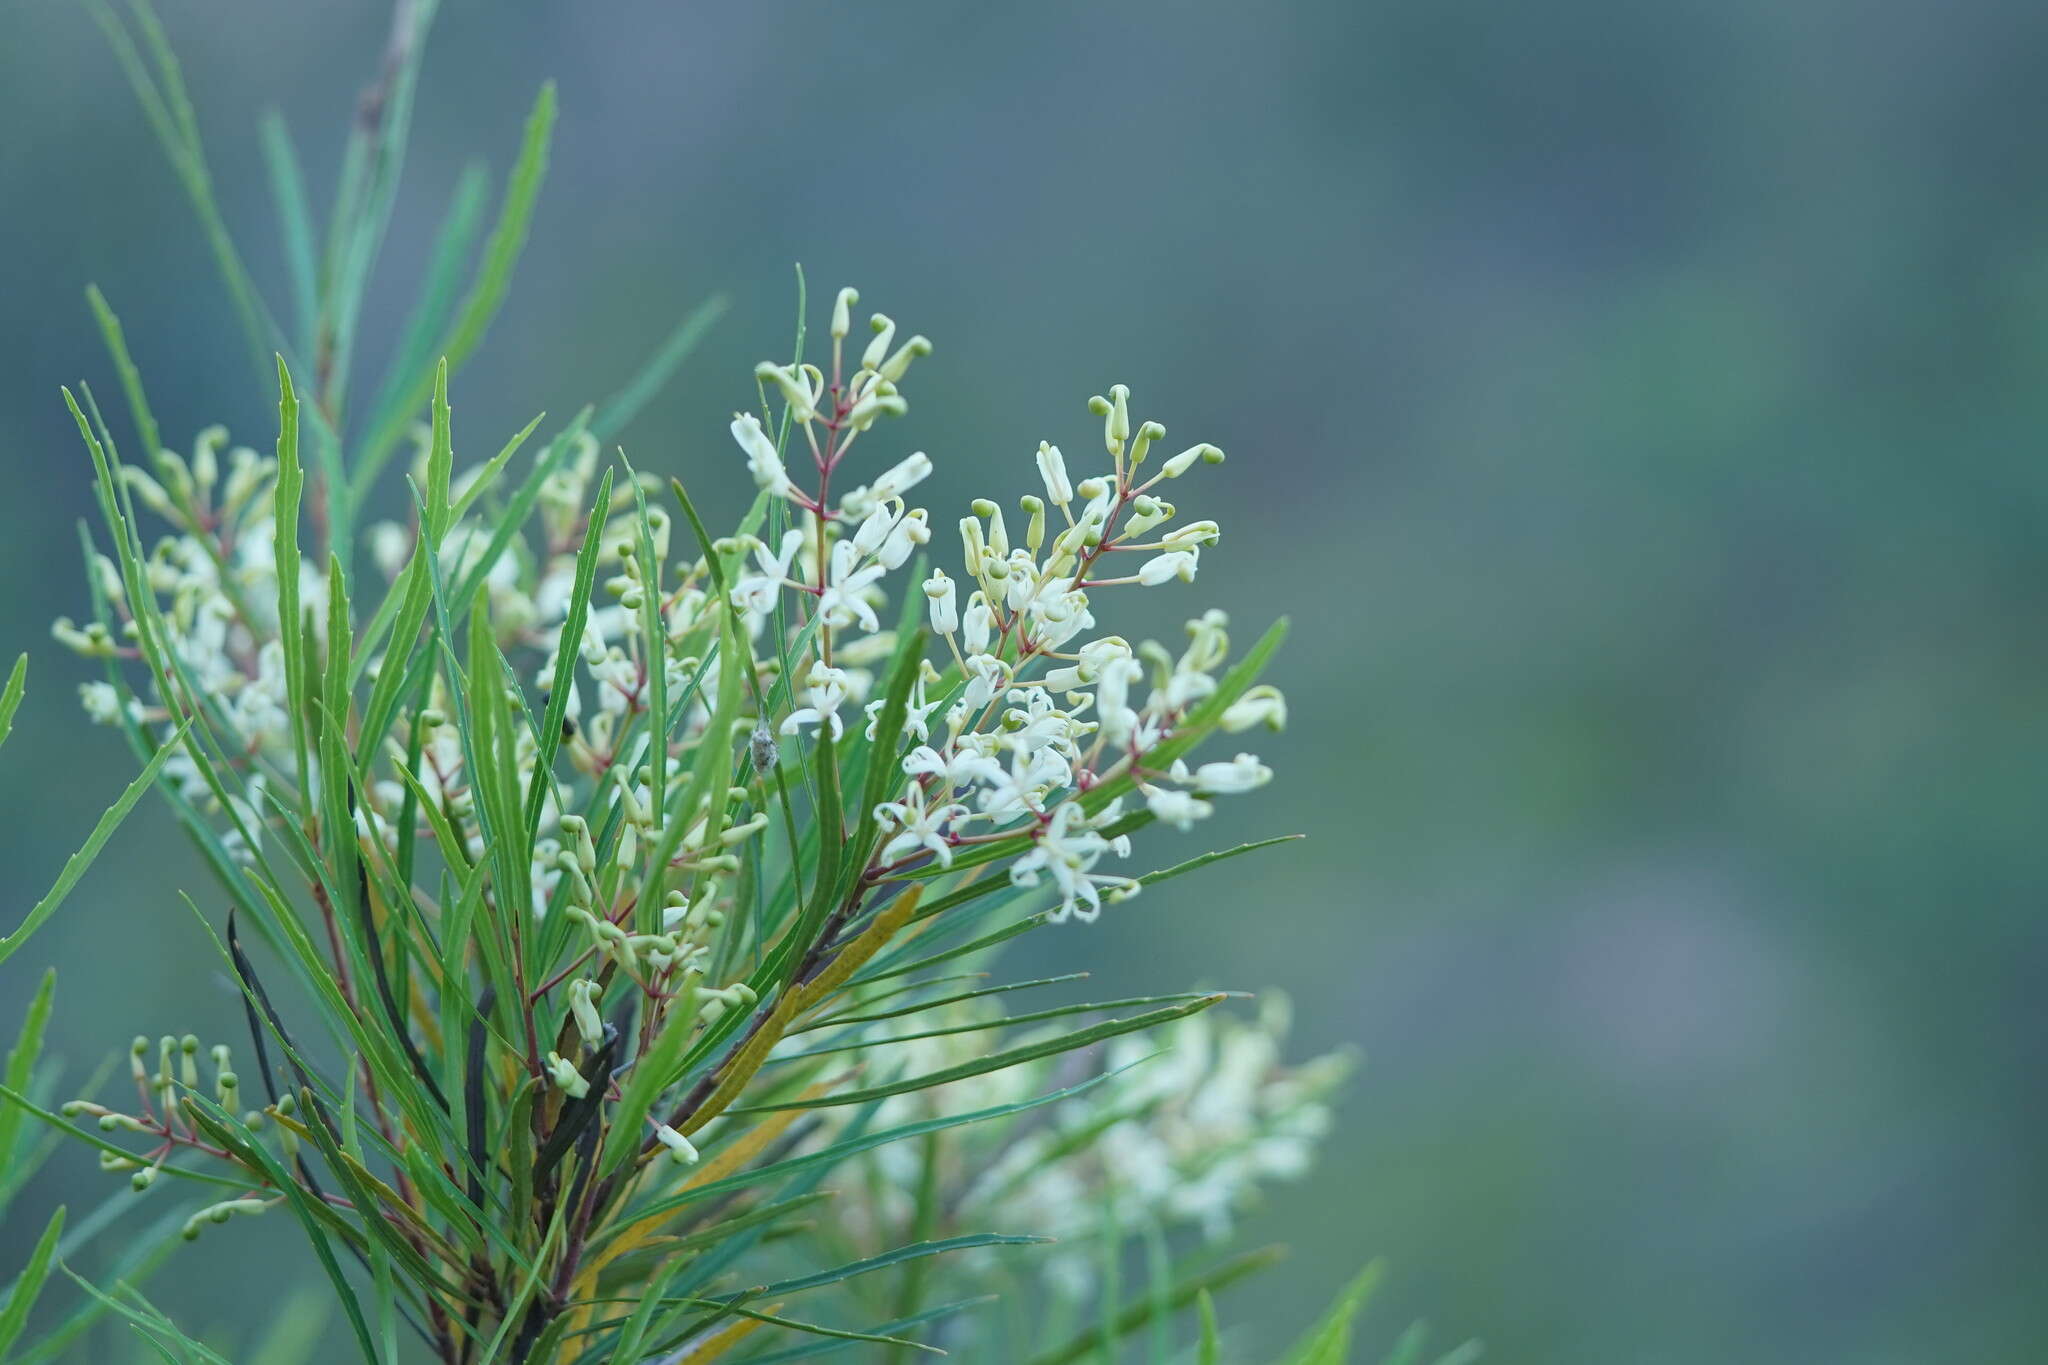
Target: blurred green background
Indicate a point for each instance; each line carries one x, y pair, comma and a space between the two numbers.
1638, 407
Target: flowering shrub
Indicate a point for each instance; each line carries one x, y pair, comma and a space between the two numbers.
603, 893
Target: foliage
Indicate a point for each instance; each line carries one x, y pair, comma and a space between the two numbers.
612, 995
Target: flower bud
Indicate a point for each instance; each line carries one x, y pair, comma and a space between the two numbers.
842, 307
1052, 467
894, 367
802, 404
885, 332
1183, 462
1147, 434
582, 1008
944, 609
1117, 428
678, 1146
565, 1075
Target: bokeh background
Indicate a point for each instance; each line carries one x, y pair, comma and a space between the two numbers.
1638, 408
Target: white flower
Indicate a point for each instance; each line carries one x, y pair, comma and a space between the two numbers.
1241, 774
909, 532
757, 591
907, 473
762, 461
1262, 705
916, 711
843, 601
960, 769
1177, 808
977, 621
1069, 854
1112, 698
827, 688
1022, 787
1172, 564
1052, 467
101, 701
921, 826
945, 602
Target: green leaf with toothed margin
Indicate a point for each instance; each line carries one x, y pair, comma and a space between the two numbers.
29, 1286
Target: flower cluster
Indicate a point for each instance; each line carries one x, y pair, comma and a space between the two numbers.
1184, 1130
1038, 709
603, 818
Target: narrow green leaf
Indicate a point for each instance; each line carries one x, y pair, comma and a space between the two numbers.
1329, 1341
565, 658
620, 409
818, 1279
29, 1285
997, 1022
428, 320
294, 222
131, 377
1136, 1315
291, 479
1026, 1052
10, 700
888, 1329
837, 1020
628, 1350
21, 1065
501, 253
1408, 1349
824, 1159
1212, 1340
440, 462
75, 866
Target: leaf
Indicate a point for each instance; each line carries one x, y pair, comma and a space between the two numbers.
487, 293
982, 1065
291, 479
818, 1279
628, 1350
147, 1322
818, 1348
837, 1020
436, 296
169, 111
313, 1216
996, 1022
620, 409
1408, 1350
440, 463
1212, 1344
1179, 869
294, 221
1185, 1291
21, 1064
1329, 1341
565, 659
828, 1157
29, 1285
795, 1001
10, 700
297, 1330
75, 866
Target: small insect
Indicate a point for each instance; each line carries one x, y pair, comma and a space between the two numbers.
762, 748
